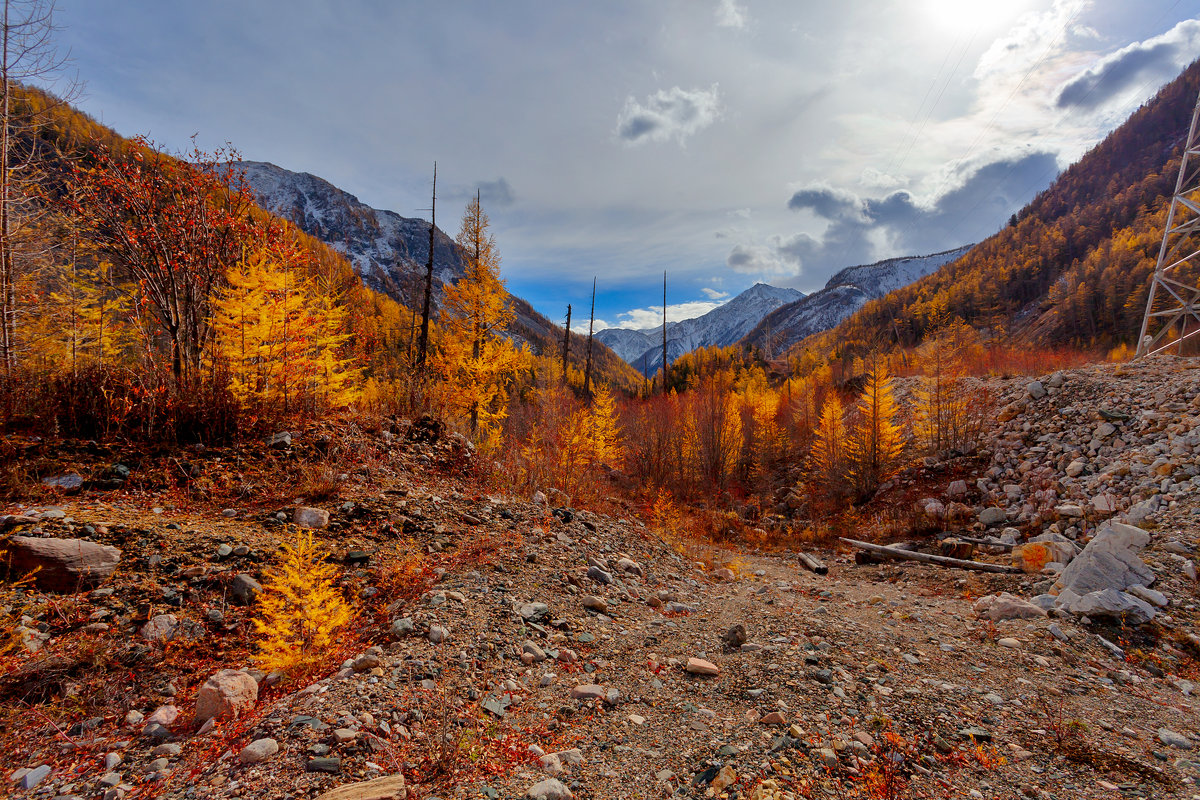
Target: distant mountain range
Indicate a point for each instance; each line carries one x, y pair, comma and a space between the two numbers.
846, 292
722, 326
389, 252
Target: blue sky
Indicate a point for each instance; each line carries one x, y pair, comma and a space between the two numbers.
724, 141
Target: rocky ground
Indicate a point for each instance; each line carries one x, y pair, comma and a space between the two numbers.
532, 649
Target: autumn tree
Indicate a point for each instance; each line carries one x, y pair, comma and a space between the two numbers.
27, 53
877, 440
599, 431
280, 337
476, 361
828, 456
301, 609
175, 227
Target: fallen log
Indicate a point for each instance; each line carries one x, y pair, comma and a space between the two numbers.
927, 558
813, 564
985, 542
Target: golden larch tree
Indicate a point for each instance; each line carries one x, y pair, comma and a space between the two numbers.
599, 430
301, 609
877, 441
475, 361
828, 456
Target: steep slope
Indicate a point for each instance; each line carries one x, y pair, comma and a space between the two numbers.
1074, 267
722, 326
390, 252
846, 292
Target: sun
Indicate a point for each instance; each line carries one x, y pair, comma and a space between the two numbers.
973, 16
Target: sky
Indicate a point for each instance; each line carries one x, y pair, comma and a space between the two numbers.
723, 142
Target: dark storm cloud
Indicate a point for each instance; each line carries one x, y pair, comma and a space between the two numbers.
1160, 57
963, 215
827, 202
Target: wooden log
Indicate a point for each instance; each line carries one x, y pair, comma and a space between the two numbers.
813, 564
985, 543
927, 558
957, 548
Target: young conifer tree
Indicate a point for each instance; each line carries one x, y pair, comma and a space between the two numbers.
828, 457
476, 362
301, 610
877, 442
601, 431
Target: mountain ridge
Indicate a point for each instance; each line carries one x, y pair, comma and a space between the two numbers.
389, 252
724, 325
847, 291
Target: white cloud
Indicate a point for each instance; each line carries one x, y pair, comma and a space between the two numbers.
648, 318
667, 114
731, 14
713, 294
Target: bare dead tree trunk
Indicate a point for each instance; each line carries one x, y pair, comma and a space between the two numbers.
587, 371
566, 344
423, 345
664, 381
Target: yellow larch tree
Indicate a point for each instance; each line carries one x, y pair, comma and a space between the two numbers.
476, 362
599, 431
828, 456
877, 441
301, 609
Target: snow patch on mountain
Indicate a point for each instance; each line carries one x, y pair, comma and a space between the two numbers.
846, 292
720, 327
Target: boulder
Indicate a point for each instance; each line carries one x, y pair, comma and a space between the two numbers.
244, 588
1113, 604
1003, 606
992, 516
160, 628
390, 787
258, 750
228, 694
1109, 561
63, 565
549, 789
307, 517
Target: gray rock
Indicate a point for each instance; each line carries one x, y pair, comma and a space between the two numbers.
62, 565
1172, 739
1113, 604
600, 575
1109, 561
35, 776
280, 441
244, 588
992, 516
1004, 606
160, 628
258, 750
549, 789
70, 484
438, 634
1035, 390
307, 517
532, 612
404, 626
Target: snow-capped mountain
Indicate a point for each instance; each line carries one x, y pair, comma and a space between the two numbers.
722, 326
845, 293
387, 250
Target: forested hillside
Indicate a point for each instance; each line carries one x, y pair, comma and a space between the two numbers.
1073, 268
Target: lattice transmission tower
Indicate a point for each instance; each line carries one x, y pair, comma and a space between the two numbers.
1173, 307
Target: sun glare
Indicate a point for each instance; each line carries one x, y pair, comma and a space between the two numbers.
971, 16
